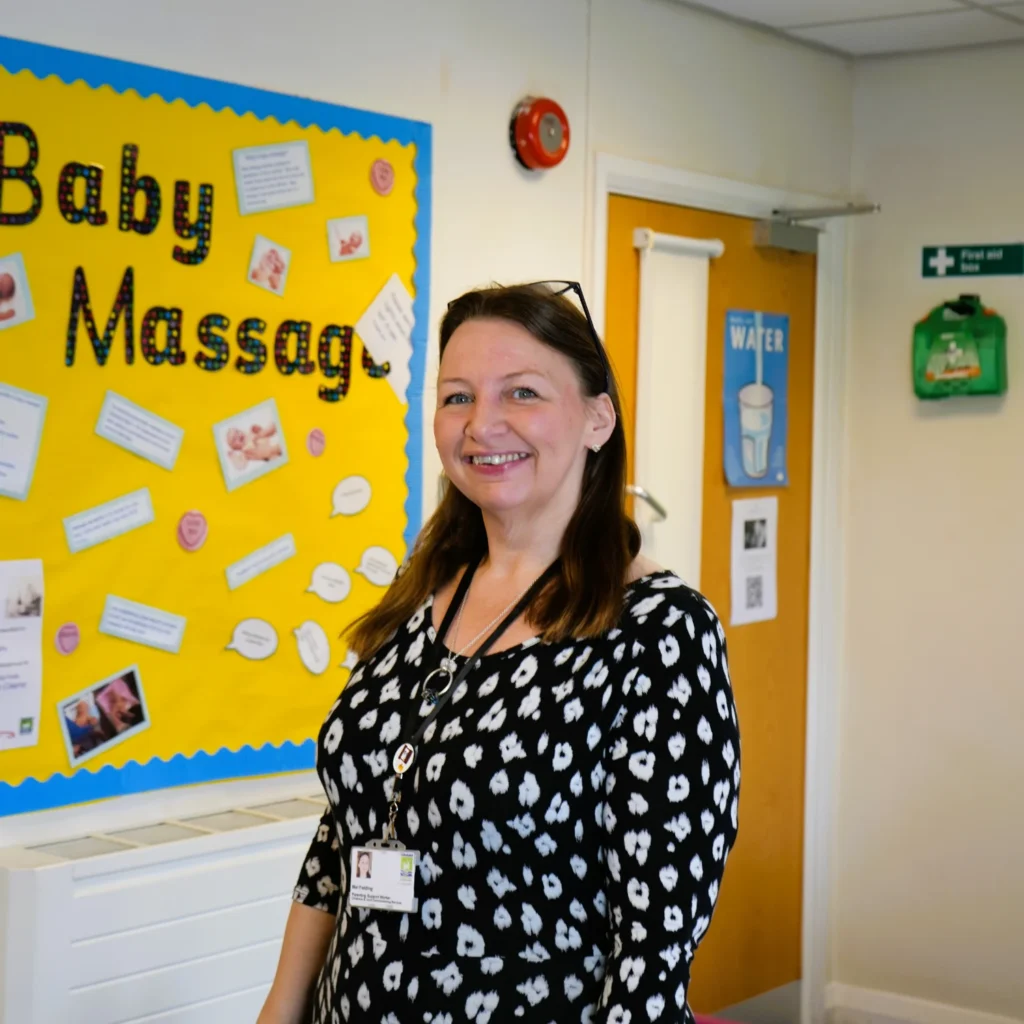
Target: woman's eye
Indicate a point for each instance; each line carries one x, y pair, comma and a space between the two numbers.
459, 398
523, 392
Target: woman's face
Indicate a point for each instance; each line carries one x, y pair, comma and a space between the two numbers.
512, 425
364, 865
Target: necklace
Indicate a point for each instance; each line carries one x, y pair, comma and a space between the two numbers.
446, 672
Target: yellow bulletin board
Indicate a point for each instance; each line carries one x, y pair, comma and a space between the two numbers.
213, 303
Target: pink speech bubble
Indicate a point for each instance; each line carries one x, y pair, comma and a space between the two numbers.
192, 531
382, 177
67, 638
316, 442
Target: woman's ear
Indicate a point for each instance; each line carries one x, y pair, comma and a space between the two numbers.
601, 416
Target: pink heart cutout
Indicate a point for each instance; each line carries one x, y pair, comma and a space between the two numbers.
382, 177
67, 638
316, 442
192, 531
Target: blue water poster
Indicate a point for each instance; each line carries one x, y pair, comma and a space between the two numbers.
756, 398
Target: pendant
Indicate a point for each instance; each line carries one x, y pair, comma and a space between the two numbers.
449, 666
430, 694
403, 759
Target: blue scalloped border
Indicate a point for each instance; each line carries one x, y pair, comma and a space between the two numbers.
84, 786
70, 66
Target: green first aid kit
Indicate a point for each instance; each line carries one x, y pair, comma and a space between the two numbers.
960, 349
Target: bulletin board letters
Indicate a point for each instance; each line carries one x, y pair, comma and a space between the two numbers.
213, 303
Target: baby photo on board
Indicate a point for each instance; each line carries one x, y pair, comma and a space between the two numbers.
15, 297
102, 715
250, 444
268, 266
348, 238
24, 599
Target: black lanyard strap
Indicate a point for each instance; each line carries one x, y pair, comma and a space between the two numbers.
473, 660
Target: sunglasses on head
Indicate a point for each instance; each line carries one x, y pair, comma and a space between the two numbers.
560, 288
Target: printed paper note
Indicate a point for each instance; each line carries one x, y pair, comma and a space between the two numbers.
139, 431
141, 624
21, 428
260, 561
386, 330
755, 528
109, 520
273, 177
21, 652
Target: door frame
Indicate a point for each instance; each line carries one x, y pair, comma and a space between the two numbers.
615, 175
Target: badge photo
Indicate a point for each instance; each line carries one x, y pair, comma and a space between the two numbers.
383, 878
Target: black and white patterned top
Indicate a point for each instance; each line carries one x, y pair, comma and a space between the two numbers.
573, 804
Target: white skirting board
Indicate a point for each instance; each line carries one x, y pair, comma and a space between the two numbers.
847, 1004
174, 923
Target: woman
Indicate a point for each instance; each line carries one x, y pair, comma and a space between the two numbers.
574, 800
363, 865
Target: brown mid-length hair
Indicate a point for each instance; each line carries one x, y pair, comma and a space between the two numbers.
584, 599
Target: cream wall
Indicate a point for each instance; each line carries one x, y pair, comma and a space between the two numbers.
674, 86
930, 857
650, 79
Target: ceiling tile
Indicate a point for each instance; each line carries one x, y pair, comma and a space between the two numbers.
924, 32
787, 13
1011, 10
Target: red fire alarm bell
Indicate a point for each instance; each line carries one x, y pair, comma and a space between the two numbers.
539, 133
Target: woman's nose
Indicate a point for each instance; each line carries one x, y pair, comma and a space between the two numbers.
486, 420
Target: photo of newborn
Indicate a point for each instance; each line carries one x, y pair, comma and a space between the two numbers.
24, 598
269, 264
348, 238
258, 444
102, 715
120, 704
15, 297
250, 444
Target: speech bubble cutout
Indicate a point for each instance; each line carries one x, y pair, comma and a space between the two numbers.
331, 582
351, 496
378, 565
255, 639
351, 660
314, 647
67, 638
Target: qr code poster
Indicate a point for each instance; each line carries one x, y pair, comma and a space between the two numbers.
755, 529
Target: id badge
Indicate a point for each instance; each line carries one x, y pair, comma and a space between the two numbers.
383, 878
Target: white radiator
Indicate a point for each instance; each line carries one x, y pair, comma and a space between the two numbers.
174, 923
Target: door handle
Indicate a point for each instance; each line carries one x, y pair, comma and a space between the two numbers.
643, 495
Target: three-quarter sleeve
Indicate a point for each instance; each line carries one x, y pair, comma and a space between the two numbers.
321, 877
670, 809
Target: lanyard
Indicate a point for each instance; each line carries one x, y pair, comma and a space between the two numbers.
406, 752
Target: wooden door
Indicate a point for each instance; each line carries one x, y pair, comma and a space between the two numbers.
754, 943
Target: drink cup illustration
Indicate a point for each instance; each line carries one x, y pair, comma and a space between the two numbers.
755, 401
